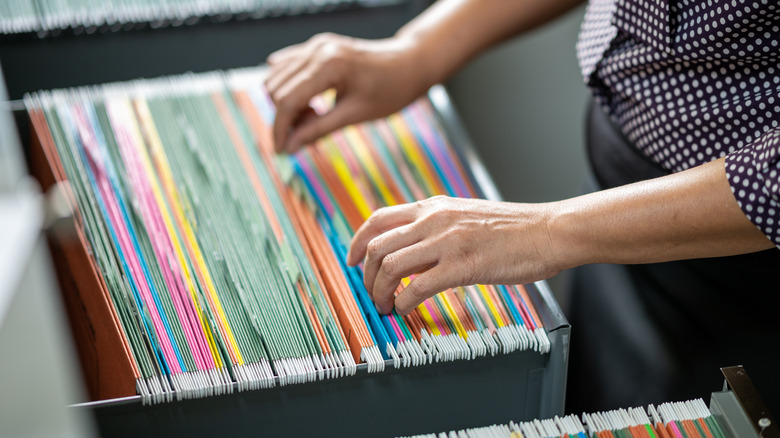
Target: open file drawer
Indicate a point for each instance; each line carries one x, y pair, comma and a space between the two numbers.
462, 393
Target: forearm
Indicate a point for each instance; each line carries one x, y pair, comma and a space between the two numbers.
451, 32
690, 214
448, 242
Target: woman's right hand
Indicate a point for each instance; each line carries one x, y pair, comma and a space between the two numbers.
372, 79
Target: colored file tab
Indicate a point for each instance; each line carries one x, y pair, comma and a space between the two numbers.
226, 264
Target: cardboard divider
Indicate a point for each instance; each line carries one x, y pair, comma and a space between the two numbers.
108, 367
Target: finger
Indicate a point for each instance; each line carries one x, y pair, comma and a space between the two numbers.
310, 46
283, 54
383, 246
293, 57
429, 283
345, 112
283, 71
305, 115
292, 101
398, 265
381, 221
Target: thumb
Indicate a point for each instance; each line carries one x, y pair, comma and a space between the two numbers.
312, 126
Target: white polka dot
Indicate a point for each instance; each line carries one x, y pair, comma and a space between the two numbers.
712, 95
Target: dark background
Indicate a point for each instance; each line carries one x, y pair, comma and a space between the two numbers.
31, 63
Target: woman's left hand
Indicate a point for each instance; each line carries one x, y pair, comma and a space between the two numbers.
450, 242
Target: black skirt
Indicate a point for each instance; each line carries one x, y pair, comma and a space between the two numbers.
660, 332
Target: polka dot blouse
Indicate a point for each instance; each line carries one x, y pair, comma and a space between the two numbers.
690, 81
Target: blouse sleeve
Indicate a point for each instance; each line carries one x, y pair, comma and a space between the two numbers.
754, 175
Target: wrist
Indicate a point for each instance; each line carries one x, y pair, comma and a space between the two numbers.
421, 58
569, 235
